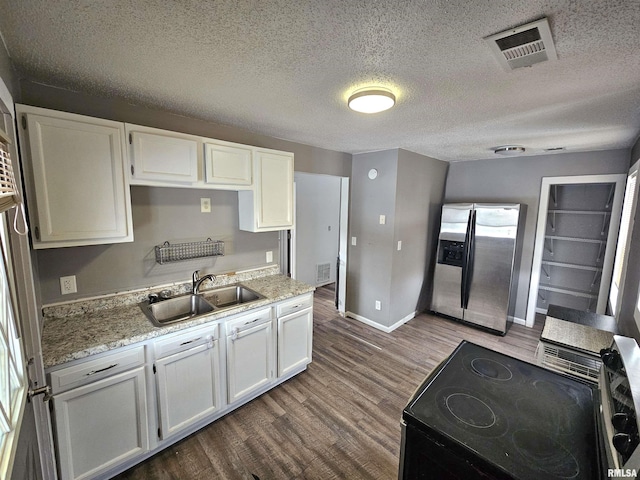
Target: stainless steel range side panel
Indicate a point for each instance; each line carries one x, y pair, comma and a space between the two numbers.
447, 278
491, 270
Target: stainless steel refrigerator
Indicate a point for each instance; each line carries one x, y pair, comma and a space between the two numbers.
478, 248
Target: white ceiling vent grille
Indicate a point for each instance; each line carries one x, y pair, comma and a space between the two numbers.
523, 46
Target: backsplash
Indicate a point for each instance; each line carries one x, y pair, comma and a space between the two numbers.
78, 307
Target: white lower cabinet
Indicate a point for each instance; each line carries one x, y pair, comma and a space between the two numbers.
107, 408
295, 334
250, 344
187, 379
102, 424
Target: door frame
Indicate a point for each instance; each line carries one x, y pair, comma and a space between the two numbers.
343, 236
607, 264
29, 319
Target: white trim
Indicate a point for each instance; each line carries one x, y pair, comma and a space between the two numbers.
378, 326
634, 168
543, 206
519, 321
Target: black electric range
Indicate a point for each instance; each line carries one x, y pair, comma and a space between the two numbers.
482, 414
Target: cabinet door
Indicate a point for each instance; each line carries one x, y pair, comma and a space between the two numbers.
163, 157
81, 193
101, 425
269, 206
249, 360
188, 387
228, 165
295, 334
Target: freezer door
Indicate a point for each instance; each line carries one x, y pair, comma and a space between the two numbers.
492, 257
447, 278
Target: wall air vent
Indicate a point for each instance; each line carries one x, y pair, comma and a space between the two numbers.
523, 46
323, 273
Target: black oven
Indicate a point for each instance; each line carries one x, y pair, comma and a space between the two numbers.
485, 415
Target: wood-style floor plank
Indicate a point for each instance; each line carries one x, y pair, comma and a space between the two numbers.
338, 419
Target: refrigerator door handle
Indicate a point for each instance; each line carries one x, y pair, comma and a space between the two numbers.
465, 260
469, 260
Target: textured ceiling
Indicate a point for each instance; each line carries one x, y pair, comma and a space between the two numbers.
285, 68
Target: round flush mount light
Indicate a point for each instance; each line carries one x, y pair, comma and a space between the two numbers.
509, 150
373, 174
371, 100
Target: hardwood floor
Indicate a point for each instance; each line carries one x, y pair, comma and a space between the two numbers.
340, 419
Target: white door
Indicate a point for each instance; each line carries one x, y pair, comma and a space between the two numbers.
249, 360
195, 371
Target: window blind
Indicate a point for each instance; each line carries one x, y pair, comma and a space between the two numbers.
9, 196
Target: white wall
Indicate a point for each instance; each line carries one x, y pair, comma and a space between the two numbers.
317, 225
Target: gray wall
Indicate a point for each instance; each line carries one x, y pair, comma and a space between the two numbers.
419, 194
370, 260
161, 214
317, 225
519, 180
408, 191
8, 74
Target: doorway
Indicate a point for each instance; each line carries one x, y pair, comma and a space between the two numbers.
319, 240
578, 220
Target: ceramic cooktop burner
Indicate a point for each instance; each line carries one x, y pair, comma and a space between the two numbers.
545, 455
485, 367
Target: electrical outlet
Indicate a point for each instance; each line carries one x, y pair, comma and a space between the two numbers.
205, 205
399, 245
68, 285
269, 257
378, 305
353, 241
383, 219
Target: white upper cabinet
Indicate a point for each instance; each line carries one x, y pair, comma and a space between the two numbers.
269, 206
162, 156
78, 193
228, 165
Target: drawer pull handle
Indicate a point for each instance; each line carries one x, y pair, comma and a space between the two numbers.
190, 341
251, 321
93, 372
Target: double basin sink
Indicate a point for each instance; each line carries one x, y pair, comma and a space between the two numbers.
190, 306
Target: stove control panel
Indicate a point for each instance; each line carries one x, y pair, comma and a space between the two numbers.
620, 392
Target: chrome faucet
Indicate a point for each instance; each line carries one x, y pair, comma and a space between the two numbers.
197, 281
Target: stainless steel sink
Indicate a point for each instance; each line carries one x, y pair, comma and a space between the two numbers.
176, 309
230, 296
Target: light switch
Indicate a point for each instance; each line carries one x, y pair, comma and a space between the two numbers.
383, 219
399, 245
353, 241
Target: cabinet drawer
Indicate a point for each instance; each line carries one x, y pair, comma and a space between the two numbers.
246, 321
92, 370
184, 341
294, 305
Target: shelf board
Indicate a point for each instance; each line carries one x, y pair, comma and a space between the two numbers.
575, 239
581, 212
568, 291
574, 266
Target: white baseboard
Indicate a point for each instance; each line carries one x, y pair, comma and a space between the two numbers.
376, 325
519, 321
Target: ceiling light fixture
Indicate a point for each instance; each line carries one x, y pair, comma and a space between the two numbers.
509, 150
371, 100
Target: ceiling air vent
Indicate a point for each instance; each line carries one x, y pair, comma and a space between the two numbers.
523, 46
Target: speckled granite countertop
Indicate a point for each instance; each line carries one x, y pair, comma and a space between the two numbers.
575, 336
79, 329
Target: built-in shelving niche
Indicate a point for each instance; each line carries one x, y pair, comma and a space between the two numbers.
578, 223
